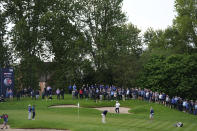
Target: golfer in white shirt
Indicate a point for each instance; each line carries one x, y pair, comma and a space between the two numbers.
117, 107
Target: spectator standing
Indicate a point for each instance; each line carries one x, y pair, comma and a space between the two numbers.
33, 112
191, 109
29, 112
195, 108
70, 89
62, 93
115, 95
5, 120
18, 95
48, 91
58, 93
173, 103
37, 94
33, 94
43, 95
11, 94
167, 103
127, 94
81, 93
76, 94
160, 98
112, 95
74, 87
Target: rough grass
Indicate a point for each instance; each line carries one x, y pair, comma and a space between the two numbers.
90, 119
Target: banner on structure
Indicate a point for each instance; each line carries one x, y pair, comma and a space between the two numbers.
7, 81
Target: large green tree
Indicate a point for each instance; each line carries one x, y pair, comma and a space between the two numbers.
62, 35
4, 54
186, 22
129, 49
87, 40
89, 35
25, 37
109, 37
166, 42
174, 75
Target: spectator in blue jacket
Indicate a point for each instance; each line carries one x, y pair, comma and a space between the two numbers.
33, 112
151, 113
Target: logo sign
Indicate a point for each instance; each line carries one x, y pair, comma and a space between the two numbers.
7, 80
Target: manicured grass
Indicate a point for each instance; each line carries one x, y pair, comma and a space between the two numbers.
90, 119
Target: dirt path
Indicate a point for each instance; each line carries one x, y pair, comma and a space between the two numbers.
9, 129
12, 129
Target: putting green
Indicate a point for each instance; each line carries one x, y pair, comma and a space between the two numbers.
88, 119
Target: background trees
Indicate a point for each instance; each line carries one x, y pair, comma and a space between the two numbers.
4, 51
89, 42
174, 75
25, 38
168, 61
102, 21
186, 22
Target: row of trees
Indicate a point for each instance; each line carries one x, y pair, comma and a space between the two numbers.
174, 75
88, 42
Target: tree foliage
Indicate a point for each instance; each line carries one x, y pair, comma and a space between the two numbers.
89, 42
174, 75
4, 54
25, 37
186, 22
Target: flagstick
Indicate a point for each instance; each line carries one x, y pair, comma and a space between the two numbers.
78, 113
78, 110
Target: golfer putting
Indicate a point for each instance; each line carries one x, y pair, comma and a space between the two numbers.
103, 116
151, 113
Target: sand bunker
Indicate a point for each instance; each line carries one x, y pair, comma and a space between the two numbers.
10, 129
123, 110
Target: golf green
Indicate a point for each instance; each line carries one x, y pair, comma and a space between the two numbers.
89, 119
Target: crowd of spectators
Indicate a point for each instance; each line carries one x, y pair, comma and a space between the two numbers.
9, 93
101, 92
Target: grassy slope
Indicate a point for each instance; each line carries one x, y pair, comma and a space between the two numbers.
90, 119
